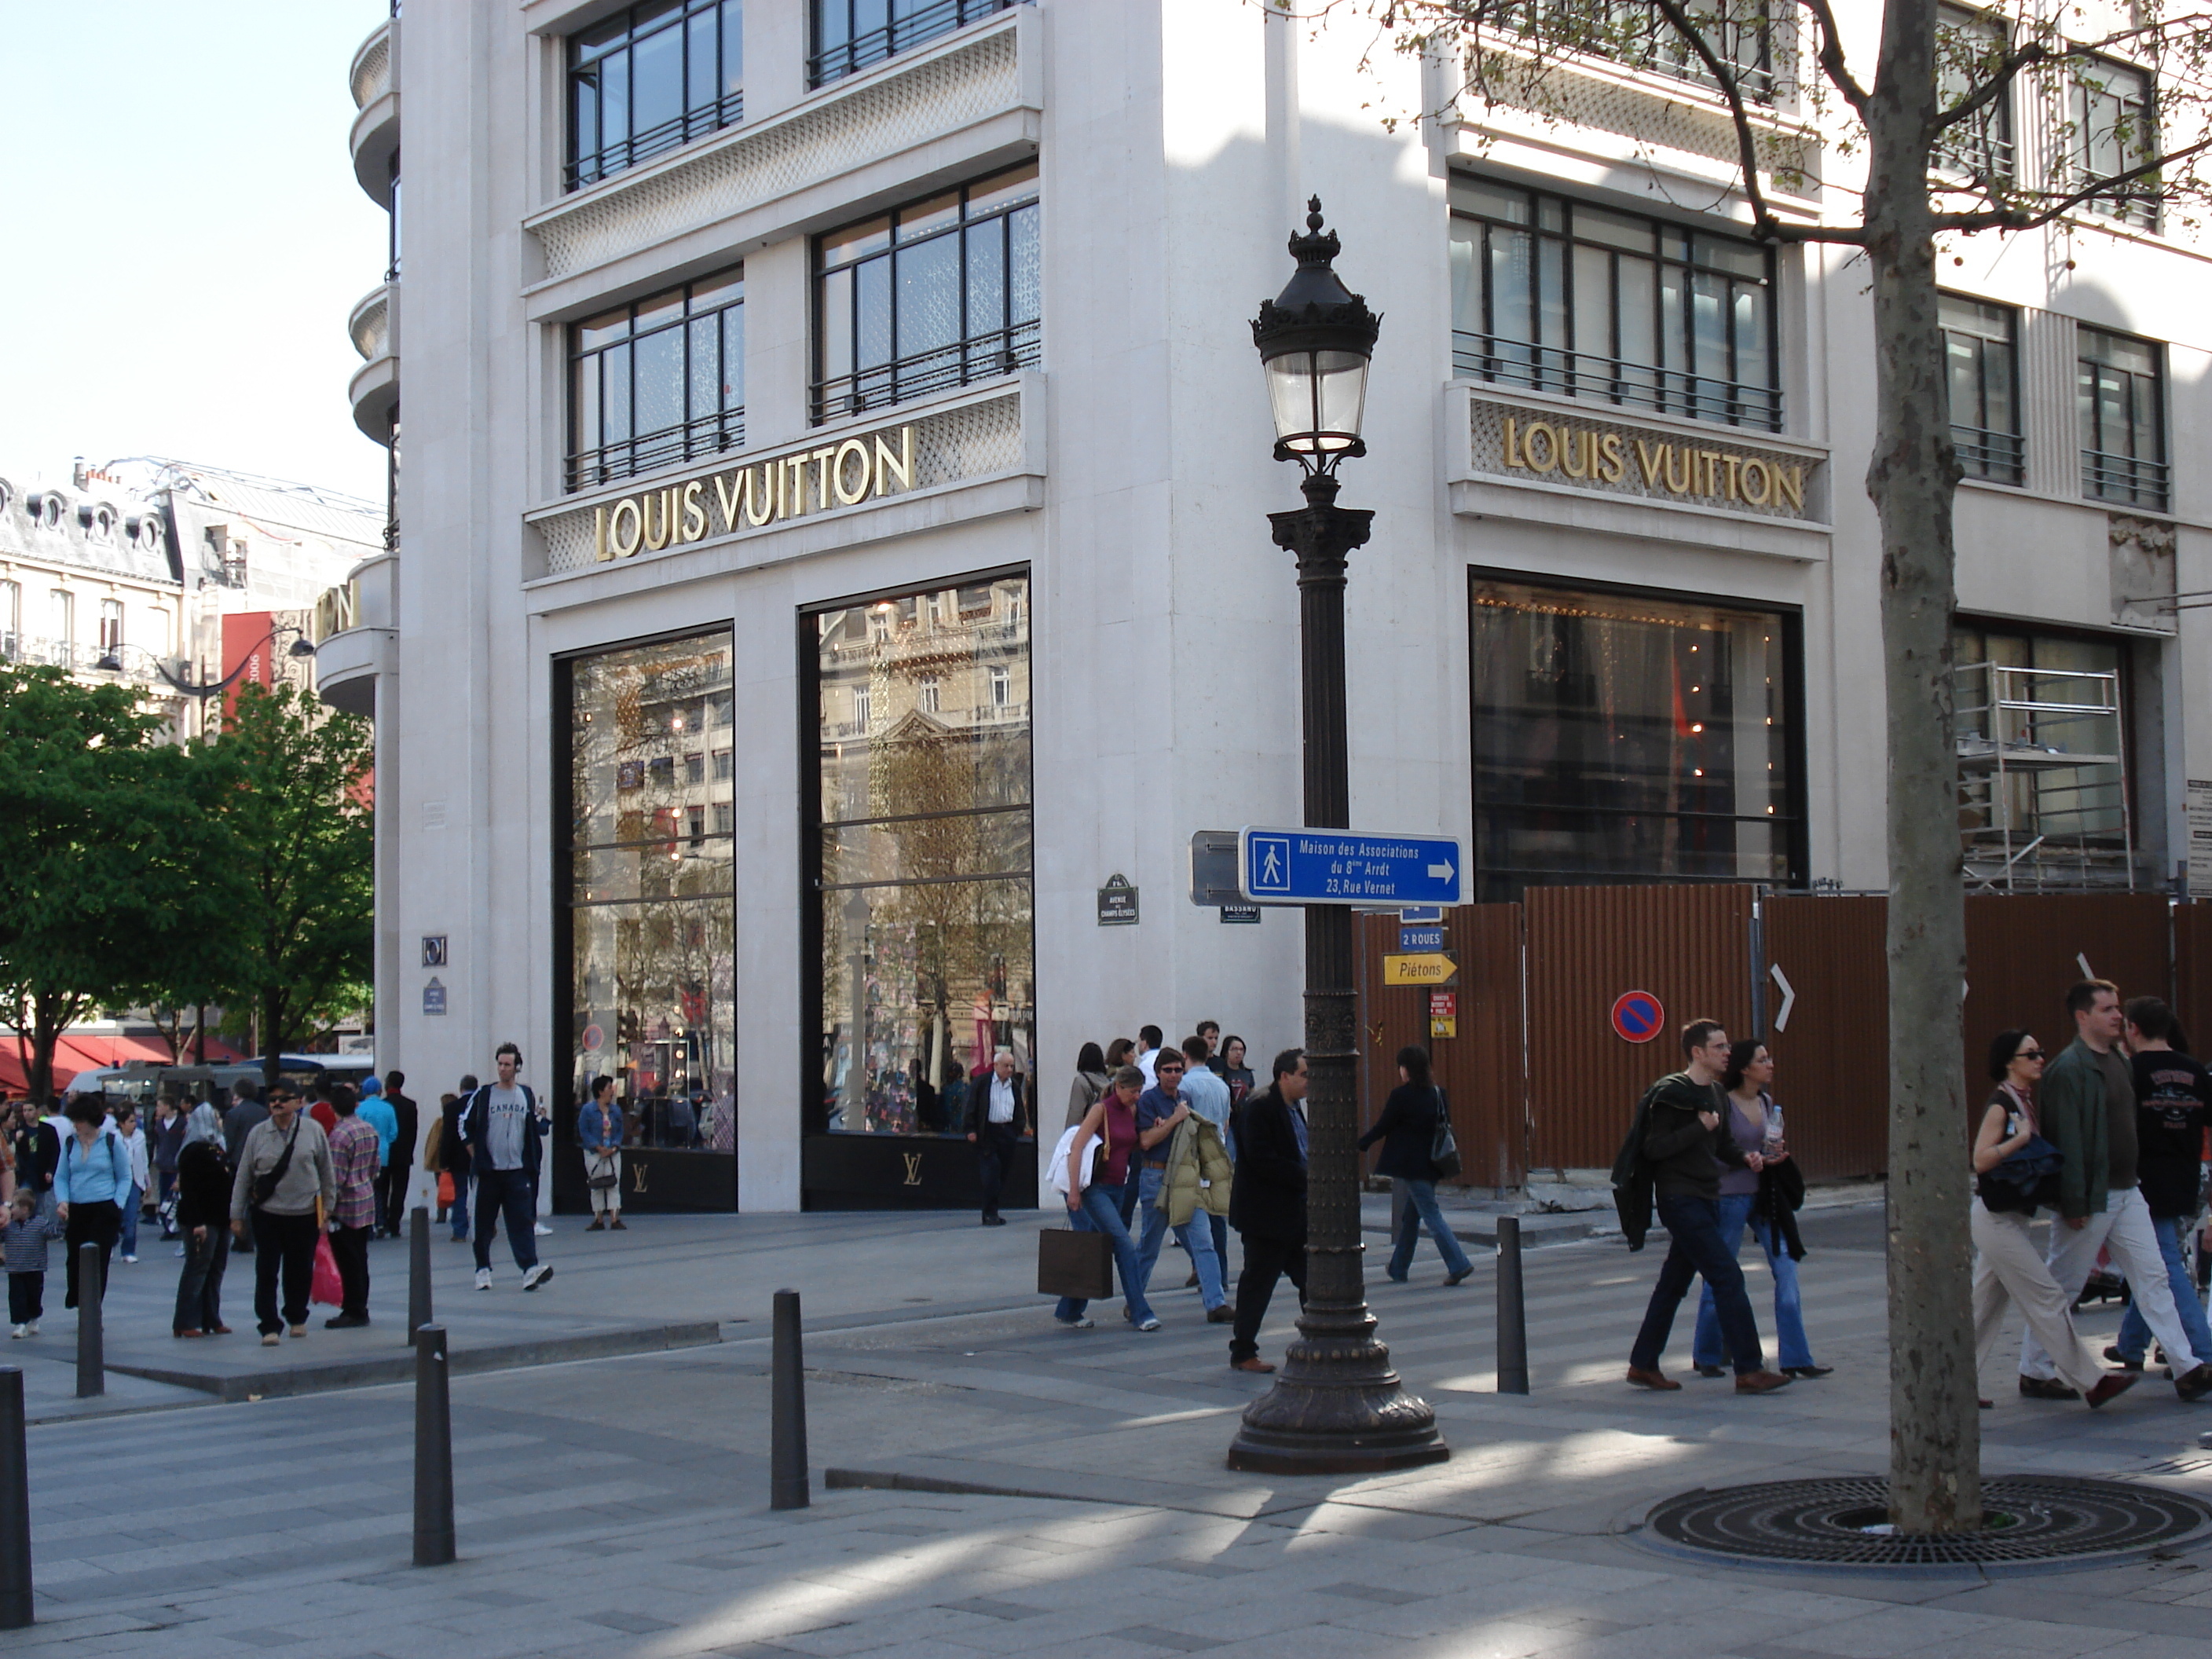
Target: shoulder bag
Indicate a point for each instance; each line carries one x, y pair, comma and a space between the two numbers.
264, 1186
1443, 1149
2024, 1181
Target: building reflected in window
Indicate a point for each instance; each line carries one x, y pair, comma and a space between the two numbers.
922, 796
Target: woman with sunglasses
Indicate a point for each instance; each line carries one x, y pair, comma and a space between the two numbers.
2007, 1267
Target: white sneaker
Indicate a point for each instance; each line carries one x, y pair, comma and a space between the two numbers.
537, 1276
483, 1278
31, 1329
132, 1259
544, 1231
19, 1333
1148, 1324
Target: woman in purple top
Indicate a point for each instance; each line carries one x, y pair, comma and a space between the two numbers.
1756, 1122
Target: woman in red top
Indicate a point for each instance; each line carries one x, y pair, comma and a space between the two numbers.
1097, 1208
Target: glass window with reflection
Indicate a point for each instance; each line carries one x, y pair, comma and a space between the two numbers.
2114, 130
1627, 737
2120, 406
651, 862
658, 381
650, 79
1557, 296
850, 35
929, 296
1981, 361
921, 786
1969, 47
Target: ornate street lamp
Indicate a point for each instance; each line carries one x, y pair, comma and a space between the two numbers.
1336, 1407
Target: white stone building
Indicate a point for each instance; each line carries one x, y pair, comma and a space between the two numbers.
834, 538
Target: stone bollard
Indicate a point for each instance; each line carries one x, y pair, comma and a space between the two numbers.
787, 1481
1512, 1312
418, 1271
15, 1613
91, 1351
434, 1451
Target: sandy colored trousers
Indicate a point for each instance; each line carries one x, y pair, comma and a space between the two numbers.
2009, 1269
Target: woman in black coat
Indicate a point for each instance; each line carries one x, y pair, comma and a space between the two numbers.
1407, 1130
204, 1180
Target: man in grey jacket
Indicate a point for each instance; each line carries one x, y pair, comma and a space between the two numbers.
285, 1184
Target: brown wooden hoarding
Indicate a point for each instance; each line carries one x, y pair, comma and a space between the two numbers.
2025, 950
1688, 946
1832, 1052
1480, 1064
2192, 973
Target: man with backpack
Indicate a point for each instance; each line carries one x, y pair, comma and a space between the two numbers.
1679, 1144
503, 1131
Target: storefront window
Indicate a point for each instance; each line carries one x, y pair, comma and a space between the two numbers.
1618, 737
923, 896
651, 859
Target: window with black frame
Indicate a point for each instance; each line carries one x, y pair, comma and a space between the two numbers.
2114, 121
650, 860
1637, 33
1969, 48
935, 294
1558, 296
2120, 407
1982, 362
658, 381
650, 79
922, 796
1625, 737
850, 35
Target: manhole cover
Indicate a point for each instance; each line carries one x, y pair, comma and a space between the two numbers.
1826, 1522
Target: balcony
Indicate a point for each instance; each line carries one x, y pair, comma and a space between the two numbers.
376, 95
355, 636
375, 393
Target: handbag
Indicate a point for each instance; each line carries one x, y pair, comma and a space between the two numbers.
2025, 1181
1076, 1265
446, 1189
1443, 1149
328, 1288
603, 1176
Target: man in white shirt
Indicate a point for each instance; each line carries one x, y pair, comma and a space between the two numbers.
998, 1118
1148, 1053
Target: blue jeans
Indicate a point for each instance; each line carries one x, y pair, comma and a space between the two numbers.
1695, 1246
131, 1220
1195, 1234
1707, 1349
2134, 1339
1101, 1213
458, 1212
1421, 1206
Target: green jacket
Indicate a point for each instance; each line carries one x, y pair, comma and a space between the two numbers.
2070, 1103
1199, 1172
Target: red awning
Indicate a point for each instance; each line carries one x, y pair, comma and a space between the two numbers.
82, 1051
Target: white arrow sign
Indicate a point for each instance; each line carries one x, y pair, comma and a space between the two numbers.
1440, 871
2081, 960
1788, 997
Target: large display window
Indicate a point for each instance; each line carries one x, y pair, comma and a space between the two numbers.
1620, 737
922, 941
649, 912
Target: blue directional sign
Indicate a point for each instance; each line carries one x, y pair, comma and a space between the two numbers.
1348, 866
1421, 939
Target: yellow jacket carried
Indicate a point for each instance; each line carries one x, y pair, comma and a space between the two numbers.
1199, 1172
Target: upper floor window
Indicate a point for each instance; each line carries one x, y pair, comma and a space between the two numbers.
658, 381
1981, 360
1637, 33
111, 626
649, 79
931, 295
851, 34
61, 626
1558, 296
1968, 45
2114, 118
2119, 400
11, 620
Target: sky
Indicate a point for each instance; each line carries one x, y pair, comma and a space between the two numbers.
185, 238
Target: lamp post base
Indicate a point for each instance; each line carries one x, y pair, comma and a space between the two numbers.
1338, 1406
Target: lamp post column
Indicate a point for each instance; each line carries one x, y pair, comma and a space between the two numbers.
1337, 1405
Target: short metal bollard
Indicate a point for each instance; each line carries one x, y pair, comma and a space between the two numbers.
15, 1613
91, 1351
788, 1478
434, 1451
418, 1271
1512, 1312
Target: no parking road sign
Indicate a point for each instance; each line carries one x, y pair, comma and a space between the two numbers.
1637, 1017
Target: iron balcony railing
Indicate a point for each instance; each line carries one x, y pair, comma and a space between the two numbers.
2109, 477
983, 357
620, 155
1631, 385
704, 435
1987, 454
835, 61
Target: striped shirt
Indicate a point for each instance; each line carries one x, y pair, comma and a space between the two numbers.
353, 1164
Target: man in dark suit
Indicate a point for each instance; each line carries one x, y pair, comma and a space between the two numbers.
400, 1172
998, 1117
1267, 1204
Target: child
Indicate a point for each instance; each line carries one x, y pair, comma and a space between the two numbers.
23, 1246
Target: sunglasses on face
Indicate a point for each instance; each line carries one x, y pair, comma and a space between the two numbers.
2029, 1053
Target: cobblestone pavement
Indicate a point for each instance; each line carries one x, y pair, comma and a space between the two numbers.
617, 1506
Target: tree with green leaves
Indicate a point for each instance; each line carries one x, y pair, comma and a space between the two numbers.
112, 884
298, 825
1904, 162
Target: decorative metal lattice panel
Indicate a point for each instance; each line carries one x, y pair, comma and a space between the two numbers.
937, 96
951, 445
1829, 1522
1633, 463
371, 71
372, 325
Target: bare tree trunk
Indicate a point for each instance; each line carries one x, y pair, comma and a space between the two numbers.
1935, 1434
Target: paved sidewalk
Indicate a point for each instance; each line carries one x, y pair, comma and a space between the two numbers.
615, 1506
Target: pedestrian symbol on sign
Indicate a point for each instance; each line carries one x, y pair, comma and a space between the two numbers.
1271, 859
1637, 1017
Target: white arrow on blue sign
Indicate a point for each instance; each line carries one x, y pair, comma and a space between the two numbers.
1348, 866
